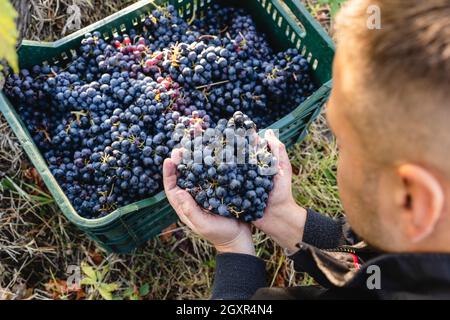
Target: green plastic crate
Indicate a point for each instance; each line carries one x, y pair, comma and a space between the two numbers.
287, 24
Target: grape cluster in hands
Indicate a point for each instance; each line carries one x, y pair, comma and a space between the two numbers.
228, 170
106, 121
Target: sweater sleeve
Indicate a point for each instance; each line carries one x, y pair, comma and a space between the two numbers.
326, 233
238, 276
327, 267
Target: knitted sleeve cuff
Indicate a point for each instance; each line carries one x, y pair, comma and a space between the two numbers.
238, 276
322, 232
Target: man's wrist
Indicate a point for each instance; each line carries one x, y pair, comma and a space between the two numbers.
243, 244
293, 224
242, 249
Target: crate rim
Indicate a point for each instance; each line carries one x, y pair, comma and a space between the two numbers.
90, 28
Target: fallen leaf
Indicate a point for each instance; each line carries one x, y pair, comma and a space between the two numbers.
280, 281
96, 257
58, 288
34, 176
167, 233
295, 170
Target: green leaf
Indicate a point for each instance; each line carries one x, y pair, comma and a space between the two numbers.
37, 190
9, 184
107, 295
41, 198
88, 282
89, 271
106, 290
210, 263
144, 290
334, 8
8, 34
128, 292
110, 286
334, 5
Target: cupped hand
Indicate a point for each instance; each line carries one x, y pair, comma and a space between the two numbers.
283, 219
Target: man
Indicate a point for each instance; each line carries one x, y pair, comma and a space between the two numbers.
390, 112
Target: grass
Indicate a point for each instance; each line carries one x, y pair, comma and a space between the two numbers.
315, 184
40, 249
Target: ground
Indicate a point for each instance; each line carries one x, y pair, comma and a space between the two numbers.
40, 249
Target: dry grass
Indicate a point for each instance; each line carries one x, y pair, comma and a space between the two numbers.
47, 20
38, 245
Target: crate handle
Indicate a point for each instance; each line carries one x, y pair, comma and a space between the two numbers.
296, 9
295, 24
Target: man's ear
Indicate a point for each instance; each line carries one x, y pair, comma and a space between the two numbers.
422, 201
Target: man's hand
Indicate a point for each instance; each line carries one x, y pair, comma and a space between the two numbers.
227, 235
283, 219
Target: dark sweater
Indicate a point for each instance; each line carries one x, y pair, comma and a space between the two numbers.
334, 256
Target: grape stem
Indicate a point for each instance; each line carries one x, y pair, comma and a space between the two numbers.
223, 30
207, 36
212, 84
191, 20
235, 212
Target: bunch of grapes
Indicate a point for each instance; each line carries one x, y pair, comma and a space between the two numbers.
228, 170
106, 121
